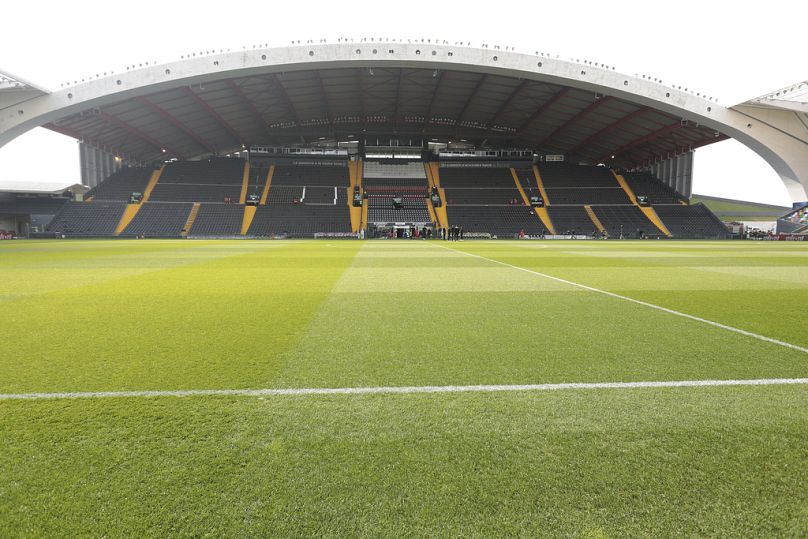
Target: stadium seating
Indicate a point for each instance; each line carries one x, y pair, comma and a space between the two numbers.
501, 221
216, 171
587, 195
87, 219
305, 198
628, 220
330, 175
284, 194
393, 171
413, 210
798, 217
322, 195
310, 196
643, 184
218, 220
571, 220
159, 220
477, 177
212, 180
189, 192
384, 181
575, 176
121, 184
695, 221
299, 220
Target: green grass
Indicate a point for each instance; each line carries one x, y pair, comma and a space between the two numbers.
163, 315
739, 206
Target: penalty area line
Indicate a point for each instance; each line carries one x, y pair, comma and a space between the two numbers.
639, 302
393, 390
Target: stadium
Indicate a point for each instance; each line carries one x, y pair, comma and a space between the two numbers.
399, 288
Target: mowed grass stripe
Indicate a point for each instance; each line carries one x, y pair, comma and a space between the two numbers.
760, 287
410, 314
220, 321
638, 302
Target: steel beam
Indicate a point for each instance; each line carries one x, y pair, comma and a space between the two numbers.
542, 109
218, 117
642, 140
257, 116
109, 118
176, 123
505, 104
609, 128
582, 113
428, 116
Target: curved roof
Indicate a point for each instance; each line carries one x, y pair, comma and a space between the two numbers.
215, 103
339, 103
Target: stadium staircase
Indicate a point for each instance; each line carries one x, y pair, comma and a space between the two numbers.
433, 176
189, 222
155, 177
265, 192
128, 214
595, 220
540, 212
308, 196
385, 180
355, 179
483, 198
247, 219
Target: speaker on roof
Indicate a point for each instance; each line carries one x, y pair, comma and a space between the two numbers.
536, 202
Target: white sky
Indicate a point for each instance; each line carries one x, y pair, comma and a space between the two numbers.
725, 49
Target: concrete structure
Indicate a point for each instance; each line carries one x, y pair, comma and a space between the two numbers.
217, 102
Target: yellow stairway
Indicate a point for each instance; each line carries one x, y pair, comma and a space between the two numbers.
540, 184
594, 219
245, 181
246, 221
431, 208
126, 218
355, 211
265, 194
624, 184
190, 221
433, 175
155, 177
654, 218
649, 212
355, 177
541, 213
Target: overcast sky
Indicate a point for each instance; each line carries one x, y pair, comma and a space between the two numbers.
728, 50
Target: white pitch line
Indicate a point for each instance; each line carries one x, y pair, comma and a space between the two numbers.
640, 302
401, 390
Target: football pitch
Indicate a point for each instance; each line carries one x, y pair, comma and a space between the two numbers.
403, 388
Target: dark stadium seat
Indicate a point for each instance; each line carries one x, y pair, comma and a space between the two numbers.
570, 219
644, 184
87, 219
500, 221
694, 222
299, 220
218, 220
627, 220
121, 184
384, 181
159, 220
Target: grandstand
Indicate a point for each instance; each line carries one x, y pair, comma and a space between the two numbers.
305, 197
